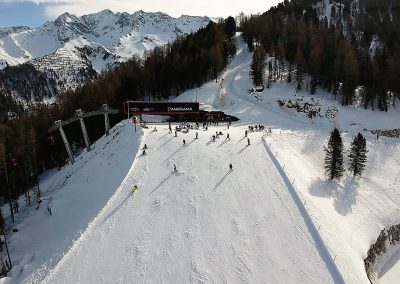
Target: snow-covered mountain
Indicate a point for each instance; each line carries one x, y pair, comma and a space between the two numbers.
69, 46
121, 34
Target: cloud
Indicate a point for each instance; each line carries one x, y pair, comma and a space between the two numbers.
42, 1
212, 8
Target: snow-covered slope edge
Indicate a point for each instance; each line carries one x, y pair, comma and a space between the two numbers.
383, 254
75, 194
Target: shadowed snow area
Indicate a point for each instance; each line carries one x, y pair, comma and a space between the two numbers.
76, 195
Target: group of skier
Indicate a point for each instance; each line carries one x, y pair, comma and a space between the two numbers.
217, 134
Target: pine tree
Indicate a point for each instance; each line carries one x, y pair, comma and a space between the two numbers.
290, 70
276, 69
334, 155
258, 66
270, 72
299, 70
313, 85
351, 73
230, 27
358, 155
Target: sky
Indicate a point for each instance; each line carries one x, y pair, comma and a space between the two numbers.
34, 13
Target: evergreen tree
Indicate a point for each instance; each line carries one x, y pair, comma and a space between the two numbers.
334, 155
230, 27
270, 72
313, 85
290, 70
299, 70
358, 155
351, 73
276, 69
257, 67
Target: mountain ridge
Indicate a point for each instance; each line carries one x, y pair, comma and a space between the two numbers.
71, 49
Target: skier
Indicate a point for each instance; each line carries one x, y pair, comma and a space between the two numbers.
176, 133
169, 127
197, 135
248, 141
230, 168
184, 142
227, 136
145, 146
135, 188
245, 133
144, 152
49, 210
175, 169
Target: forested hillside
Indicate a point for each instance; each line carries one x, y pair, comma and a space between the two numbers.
350, 48
38, 64
164, 73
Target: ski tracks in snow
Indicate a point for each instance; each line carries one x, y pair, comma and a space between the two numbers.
199, 225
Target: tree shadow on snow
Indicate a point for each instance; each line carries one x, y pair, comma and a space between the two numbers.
323, 188
346, 196
343, 195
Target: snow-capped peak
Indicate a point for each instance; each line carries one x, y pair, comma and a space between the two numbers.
19, 45
95, 41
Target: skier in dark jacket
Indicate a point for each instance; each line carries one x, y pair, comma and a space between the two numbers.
230, 167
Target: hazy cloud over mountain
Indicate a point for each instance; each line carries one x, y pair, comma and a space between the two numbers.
223, 8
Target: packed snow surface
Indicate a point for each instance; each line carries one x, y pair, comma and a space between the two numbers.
274, 219
201, 223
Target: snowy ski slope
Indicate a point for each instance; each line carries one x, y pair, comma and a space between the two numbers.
274, 219
202, 223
